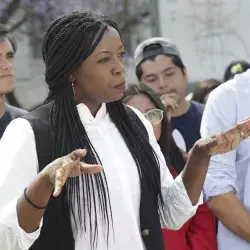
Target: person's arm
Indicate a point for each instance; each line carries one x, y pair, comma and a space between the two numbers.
191, 180
220, 186
18, 162
32, 204
236, 219
178, 207
39, 192
194, 173
18, 168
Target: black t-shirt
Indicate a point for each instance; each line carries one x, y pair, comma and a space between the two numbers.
189, 123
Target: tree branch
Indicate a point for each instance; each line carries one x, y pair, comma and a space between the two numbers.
26, 33
133, 20
19, 23
10, 10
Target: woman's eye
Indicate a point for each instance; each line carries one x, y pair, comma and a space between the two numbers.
170, 74
11, 56
122, 54
106, 59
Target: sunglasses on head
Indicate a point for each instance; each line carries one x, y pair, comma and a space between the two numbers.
155, 116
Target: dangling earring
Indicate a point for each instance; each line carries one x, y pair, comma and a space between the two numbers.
72, 83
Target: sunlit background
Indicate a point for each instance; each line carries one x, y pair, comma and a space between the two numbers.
209, 34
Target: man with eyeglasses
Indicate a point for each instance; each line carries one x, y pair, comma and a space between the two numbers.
159, 66
7, 79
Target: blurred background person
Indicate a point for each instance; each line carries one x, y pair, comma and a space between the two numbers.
234, 68
227, 184
203, 89
200, 231
7, 78
159, 66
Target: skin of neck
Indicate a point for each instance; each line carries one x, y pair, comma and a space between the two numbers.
184, 106
2, 104
92, 105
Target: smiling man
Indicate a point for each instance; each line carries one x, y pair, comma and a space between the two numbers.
7, 79
159, 66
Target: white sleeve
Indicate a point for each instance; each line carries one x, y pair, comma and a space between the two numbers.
18, 168
179, 208
219, 115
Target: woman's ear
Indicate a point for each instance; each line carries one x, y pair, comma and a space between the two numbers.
71, 79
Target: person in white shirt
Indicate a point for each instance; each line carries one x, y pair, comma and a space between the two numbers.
8, 50
227, 184
113, 189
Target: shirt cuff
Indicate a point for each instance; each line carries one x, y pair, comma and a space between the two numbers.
179, 208
187, 206
8, 218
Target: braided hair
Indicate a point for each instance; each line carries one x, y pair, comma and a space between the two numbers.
67, 43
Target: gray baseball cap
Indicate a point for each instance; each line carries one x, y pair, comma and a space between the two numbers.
167, 48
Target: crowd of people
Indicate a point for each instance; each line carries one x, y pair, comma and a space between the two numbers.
107, 165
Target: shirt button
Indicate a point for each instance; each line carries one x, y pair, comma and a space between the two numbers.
146, 232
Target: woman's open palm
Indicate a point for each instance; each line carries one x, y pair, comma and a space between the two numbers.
225, 141
69, 166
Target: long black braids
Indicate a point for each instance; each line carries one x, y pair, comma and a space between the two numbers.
67, 43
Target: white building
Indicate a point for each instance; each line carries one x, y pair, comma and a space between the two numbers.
209, 33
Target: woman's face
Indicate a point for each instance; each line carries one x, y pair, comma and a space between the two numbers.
144, 104
101, 77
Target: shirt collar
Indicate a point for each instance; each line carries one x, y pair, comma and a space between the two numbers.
86, 116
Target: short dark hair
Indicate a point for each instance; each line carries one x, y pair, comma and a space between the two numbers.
203, 88
243, 66
5, 34
175, 59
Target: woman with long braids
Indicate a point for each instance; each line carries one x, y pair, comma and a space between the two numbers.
78, 173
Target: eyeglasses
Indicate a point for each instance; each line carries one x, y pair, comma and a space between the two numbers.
155, 116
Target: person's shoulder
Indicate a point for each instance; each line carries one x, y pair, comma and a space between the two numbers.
197, 105
197, 109
225, 91
221, 108
242, 84
243, 78
15, 112
42, 111
17, 128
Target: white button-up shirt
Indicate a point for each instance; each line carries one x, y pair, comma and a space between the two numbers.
227, 105
19, 164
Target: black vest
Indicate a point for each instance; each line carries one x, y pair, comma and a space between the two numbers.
56, 233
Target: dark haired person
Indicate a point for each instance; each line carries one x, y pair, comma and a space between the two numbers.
203, 90
198, 232
7, 79
234, 68
159, 66
80, 174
